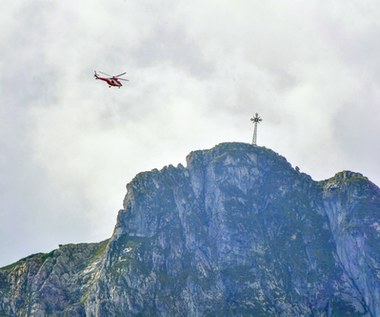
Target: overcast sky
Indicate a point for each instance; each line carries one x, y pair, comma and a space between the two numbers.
198, 71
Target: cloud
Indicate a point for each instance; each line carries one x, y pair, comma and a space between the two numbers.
198, 71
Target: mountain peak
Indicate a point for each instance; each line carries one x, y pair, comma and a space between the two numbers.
236, 232
231, 148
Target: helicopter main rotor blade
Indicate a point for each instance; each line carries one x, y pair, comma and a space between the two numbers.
120, 74
105, 74
122, 79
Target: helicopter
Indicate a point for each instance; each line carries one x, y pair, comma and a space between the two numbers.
112, 80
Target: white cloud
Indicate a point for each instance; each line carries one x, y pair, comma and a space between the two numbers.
198, 71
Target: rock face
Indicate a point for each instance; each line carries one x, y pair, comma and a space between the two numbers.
238, 232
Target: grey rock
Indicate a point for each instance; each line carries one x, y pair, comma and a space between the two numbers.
237, 232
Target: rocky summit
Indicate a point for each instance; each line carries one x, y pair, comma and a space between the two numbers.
237, 232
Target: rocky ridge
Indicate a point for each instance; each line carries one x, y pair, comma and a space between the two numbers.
237, 232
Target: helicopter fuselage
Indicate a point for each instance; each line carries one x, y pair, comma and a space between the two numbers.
110, 81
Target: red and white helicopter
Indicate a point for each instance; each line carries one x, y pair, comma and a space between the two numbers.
112, 80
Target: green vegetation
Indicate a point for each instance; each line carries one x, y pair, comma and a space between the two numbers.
345, 177
38, 258
102, 248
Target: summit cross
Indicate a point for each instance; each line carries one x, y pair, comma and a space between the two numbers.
256, 119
